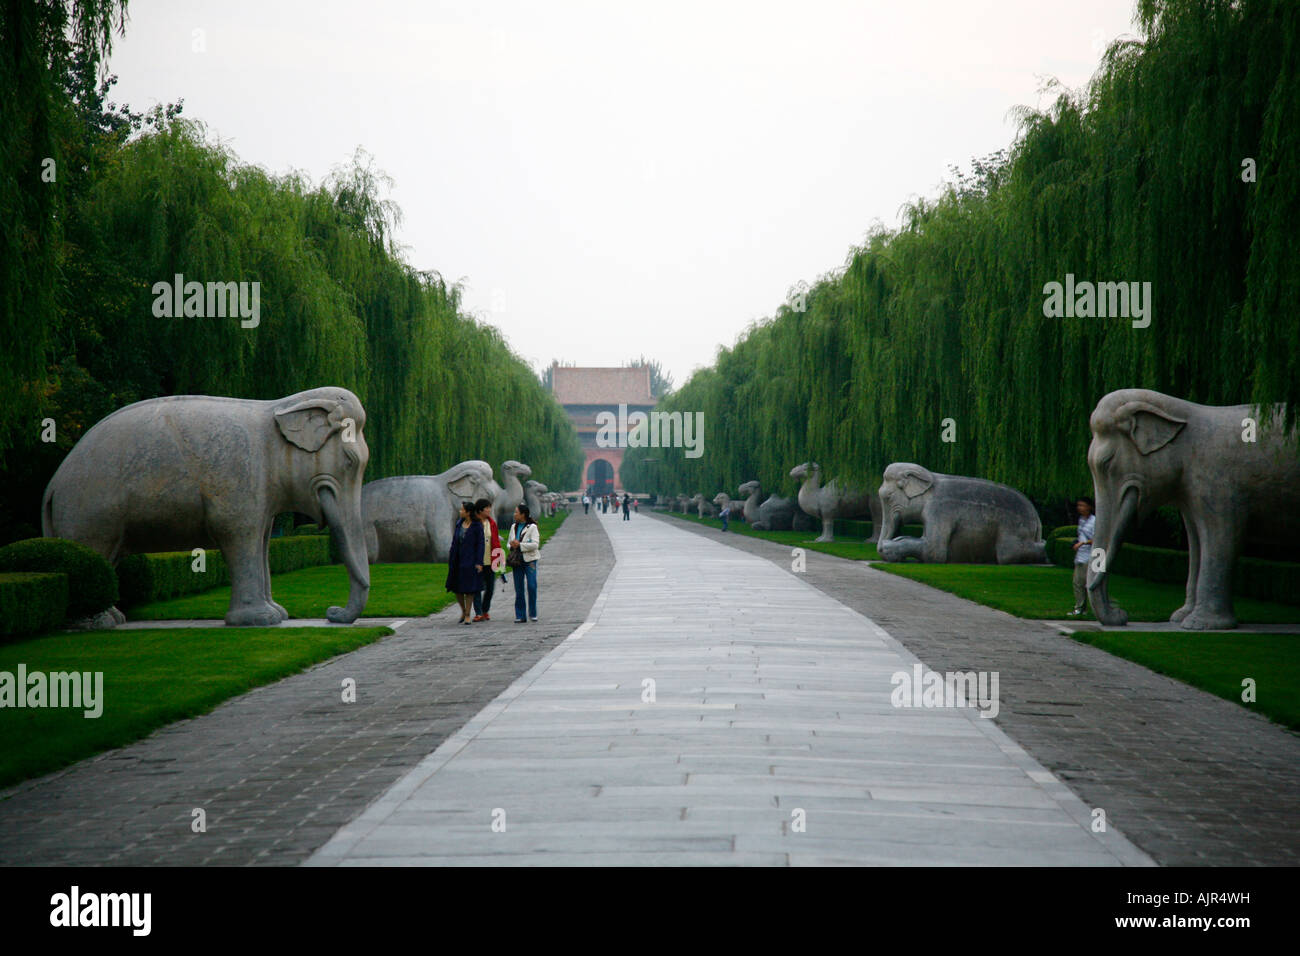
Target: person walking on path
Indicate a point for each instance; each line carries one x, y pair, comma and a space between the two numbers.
586, 504
1083, 553
627, 507
524, 541
464, 564
724, 514
492, 560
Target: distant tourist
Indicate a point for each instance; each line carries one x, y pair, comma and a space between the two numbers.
525, 540
492, 559
725, 514
1083, 553
636, 507
465, 563
627, 506
586, 504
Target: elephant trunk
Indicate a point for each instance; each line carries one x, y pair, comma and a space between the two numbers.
888, 525
1112, 522
352, 547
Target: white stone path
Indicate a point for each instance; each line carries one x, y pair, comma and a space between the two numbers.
769, 698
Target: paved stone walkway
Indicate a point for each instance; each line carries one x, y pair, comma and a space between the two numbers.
770, 739
1189, 777
280, 769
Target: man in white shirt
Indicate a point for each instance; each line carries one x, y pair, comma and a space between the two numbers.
1083, 553
586, 504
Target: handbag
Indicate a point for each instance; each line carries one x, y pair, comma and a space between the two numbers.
515, 558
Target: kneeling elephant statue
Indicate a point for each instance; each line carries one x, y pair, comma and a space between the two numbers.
966, 520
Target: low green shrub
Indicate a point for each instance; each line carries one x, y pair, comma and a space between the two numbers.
92, 585
32, 602
146, 578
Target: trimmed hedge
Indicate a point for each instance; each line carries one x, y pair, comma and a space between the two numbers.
158, 577
32, 602
92, 585
1251, 577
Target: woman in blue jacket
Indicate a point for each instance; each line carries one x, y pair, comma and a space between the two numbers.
465, 563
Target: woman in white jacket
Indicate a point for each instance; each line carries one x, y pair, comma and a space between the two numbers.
525, 539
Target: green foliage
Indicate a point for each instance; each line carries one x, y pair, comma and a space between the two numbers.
1135, 178
146, 578
152, 677
32, 603
154, 197
92, 585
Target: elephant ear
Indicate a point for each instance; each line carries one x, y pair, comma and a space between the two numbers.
308, 424
916, 483
1150, 427
466, 483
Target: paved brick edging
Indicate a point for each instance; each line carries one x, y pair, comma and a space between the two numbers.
1190, 778
278, 770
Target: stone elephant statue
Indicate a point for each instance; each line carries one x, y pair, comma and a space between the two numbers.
1149, 449
199, 471
409, 518
512, 492
832, 501
967, 520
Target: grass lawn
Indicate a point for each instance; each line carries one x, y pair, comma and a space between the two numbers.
1218, 663
853, 548
396, 590
152, 678
1046, 593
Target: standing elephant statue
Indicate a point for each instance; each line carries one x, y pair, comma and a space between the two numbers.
410, 518
1149, 449
512, 492
198, 471
831, 502
967, 520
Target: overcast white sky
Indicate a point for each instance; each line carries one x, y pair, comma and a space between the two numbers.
616, 178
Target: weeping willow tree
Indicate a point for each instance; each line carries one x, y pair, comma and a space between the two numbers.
338, 306
38, 43
1143, 176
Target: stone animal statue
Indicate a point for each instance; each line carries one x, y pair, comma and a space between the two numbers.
683, 504
723, 500
198, 471
752, 492
533, 491
831, 502
1149, 449
967, 520
512, 491
410, 518
703, 507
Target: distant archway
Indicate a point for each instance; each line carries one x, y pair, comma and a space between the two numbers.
600, 477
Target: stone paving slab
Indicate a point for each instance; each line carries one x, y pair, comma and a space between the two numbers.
1189, 777
280, 769
771, 709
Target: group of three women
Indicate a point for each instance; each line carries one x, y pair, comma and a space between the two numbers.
477, 558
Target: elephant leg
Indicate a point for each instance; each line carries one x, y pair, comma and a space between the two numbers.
828, 530
877, 516
1011, 548
248, 605
1219, 537
266, 574
1193, 569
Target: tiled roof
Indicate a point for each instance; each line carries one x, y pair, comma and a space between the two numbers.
601, 386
